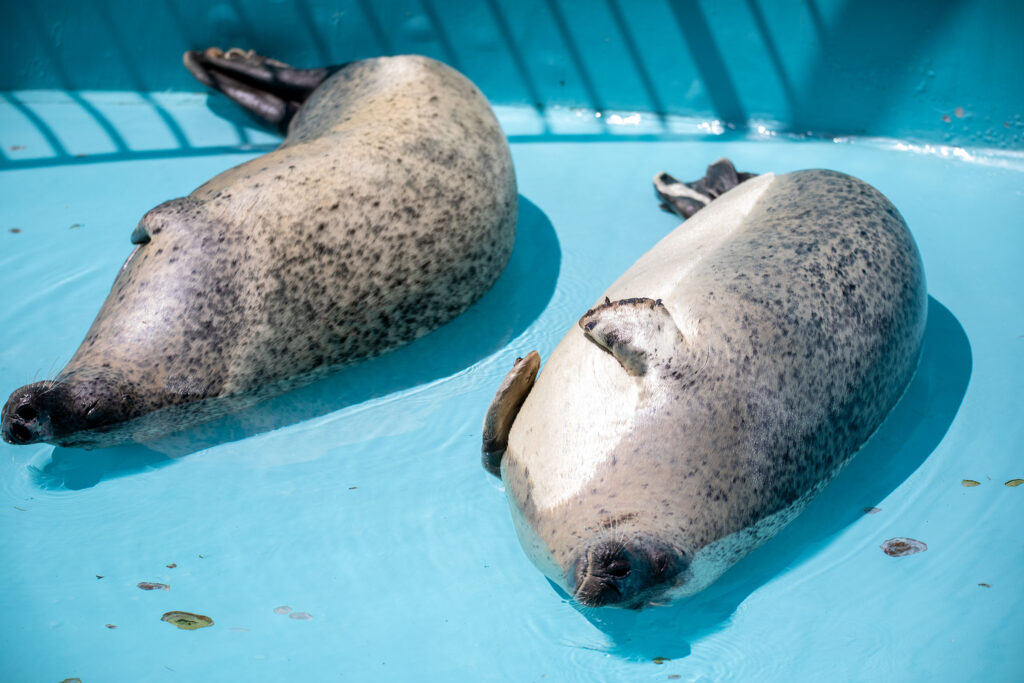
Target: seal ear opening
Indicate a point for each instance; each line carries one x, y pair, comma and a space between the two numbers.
504, 408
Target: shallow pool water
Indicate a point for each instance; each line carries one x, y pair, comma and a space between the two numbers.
346, 531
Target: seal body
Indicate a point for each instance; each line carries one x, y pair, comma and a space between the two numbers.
388, 209
716, 387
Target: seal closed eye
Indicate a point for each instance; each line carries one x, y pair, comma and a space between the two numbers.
389, 207
715, 387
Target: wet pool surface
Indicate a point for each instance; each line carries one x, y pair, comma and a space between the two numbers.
347, 530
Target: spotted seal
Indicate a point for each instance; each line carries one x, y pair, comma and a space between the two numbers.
714, 389
389, 208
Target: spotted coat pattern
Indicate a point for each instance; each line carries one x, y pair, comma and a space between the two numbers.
809, 321
387, 210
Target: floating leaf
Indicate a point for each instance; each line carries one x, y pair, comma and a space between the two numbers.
187, 620
172, 565
661, 660
1015, 482
303, 616
900, 547
872, 511
969, 482
985, 585
283, 609
150, 586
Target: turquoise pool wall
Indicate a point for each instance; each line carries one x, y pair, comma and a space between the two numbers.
936, 71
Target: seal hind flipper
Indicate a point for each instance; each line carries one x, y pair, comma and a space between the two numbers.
686, 199
638, 332
504, 408
270, 89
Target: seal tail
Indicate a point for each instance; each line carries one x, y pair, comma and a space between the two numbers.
270, 89
686, 199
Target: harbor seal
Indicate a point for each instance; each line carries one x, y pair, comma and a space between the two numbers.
714, 389
388, 209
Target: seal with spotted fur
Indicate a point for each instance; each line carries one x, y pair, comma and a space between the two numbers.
716, 387
387, 210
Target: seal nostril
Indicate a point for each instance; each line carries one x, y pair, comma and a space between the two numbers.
27, 412
20, 433
619, 570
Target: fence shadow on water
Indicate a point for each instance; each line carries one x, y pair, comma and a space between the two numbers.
835, 67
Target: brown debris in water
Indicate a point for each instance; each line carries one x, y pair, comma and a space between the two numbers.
661, 660
172, 565
187, 620
985, 585
969, 482
872, 511
901, 547
15, 230
1015, 482
111, 625
150, 586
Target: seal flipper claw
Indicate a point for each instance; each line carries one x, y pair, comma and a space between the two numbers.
686, 199
504, 408
270, 89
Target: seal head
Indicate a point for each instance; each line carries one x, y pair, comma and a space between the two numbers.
629, 572
51, 410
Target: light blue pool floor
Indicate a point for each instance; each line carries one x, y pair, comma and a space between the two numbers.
360, 501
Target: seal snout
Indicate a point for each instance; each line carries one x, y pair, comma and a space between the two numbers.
625, 573
25, 418
60, 411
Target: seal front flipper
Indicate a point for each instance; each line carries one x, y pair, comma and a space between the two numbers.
640, 333
270, 89
504, 408
686, 199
